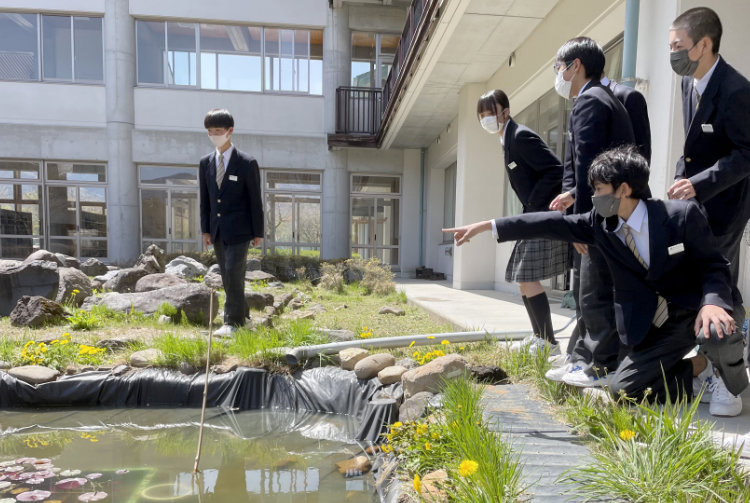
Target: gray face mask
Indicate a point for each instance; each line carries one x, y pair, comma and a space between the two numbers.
606, 205
681, 62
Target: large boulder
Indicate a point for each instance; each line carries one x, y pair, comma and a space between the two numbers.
349, 357
253, 264
430, 376
153, 259
257, 300
74, 286
94, 267
124, 280
186, 267
368, 367
191, 299
68, 261
157, 281
414, 407
259, 276
391, 375
45, 256
36, 312
27, 278
34, 374
213, 280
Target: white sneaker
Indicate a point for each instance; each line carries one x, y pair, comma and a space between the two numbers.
534, 344
225, 331
723, 403
559, 360
706, 381
557, 374
578, 378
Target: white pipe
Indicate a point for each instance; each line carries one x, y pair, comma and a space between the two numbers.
295, 355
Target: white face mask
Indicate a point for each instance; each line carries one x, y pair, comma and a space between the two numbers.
219, 140
491, 124
563, 86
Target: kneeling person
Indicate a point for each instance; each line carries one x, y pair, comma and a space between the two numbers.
670, 280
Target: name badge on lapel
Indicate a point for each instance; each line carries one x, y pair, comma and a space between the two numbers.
707, 128
512, 165
570, 135
232, 178
675, 249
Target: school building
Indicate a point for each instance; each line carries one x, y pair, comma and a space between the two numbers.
361, 114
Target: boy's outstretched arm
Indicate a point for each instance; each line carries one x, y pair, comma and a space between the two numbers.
465, 233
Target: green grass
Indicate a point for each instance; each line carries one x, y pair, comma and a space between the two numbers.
177, 349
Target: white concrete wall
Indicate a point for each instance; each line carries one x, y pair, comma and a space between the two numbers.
310, 13
55, 6
52, 104
374, 18
410, 212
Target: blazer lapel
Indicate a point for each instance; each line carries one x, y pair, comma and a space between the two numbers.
706, 105
657, 238
512, 126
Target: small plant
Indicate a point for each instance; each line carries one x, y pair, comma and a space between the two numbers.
178, 349
60, 352
81, 319
365, 332
332, 276
377, 278
167, 309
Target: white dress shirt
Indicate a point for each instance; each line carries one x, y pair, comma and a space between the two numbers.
701, 84
227, 155
638, 223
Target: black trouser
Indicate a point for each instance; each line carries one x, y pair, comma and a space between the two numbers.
658, 361
232, 260
575, 281
729, 245
597, 348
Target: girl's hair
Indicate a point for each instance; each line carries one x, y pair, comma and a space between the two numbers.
488, 102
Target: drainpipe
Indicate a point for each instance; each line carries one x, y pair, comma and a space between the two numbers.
421, 205
630, 42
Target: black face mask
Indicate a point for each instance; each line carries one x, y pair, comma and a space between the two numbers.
681, 62
606, 205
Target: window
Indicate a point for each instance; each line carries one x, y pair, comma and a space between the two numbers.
233, 58
72, 48
449, 202
293, 223
20, 208
375, 217
372, 58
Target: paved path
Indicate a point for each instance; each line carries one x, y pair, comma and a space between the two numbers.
492, 310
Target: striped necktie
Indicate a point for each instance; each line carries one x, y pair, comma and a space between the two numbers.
219, 169
662, 313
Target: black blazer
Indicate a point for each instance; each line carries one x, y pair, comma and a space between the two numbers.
534, 171
685, 266
234, 212
598, 122
635, 105
719, 133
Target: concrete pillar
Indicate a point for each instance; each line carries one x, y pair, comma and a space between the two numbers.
336, 69
479, 193
119, 77
410, 214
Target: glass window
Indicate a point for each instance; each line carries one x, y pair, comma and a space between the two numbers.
89, 48
280, 180
162, 175
19, 47
293, 60
19, 170
181, 54
372, 58
69, 171
449, 202
376, 184
151, 51
57, 55
231, 57
316, 62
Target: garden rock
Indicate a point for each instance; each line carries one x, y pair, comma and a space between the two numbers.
296, 304
186, 267
116, 343
45, 256
72, 279
191, 299
153, 259
34, 374
369, 367
186, 368
351, 356
93, 267
214, 269
275, 284
338, 335
433, 484
261, 321
429, 376
259, 276
354, 467
300, 315
145, 357
68, 261
392, 310
125, 280
156, 281
36, 312
408, 363
9, 264
164, 320
414, 407
213, 280
27, 278
270, 311
120, 370
391, 375
488, 375
282, 301
4, 365
253, 264
352, 275
258, 301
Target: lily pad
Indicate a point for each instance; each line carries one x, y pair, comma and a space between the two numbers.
95, 496
71, 483
35, 495
92, 476
4, 484
35, 481
70, 473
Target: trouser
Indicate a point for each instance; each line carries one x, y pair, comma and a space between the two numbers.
597, 348
657, 363
232, 260
729, 245
580, 327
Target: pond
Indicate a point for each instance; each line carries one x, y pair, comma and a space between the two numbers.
139, 455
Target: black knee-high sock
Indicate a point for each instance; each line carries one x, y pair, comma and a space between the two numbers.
540, 307
532, 316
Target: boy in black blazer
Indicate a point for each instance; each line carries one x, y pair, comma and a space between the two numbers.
231, 212
670, 280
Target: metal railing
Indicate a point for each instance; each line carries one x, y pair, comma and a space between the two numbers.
358, 110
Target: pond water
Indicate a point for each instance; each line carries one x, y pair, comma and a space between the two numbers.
139, 455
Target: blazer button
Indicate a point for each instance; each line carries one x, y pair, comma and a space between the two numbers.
218, 214
687, 159
218, 200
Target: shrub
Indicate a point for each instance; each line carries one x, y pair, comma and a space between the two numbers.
376, 277
332, 276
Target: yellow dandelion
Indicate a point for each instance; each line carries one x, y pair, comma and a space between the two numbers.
427, 446
64, 341
445, 342
412, 344
55, 341
430, 336
417, 484
396, 425
627, 435
43, 348
66, 334
415, 354
435, 435
467, 468
461, 348
76, 291
29, 343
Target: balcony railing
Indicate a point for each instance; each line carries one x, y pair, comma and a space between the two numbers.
358, 110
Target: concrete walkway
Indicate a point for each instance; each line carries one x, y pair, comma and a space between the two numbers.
492, 310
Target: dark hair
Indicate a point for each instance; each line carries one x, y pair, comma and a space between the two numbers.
698, 23
218, 117
588, 51
489, 100
621, 165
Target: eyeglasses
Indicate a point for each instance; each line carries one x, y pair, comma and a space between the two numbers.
561, 64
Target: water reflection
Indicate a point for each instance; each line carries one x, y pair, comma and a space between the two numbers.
148, 455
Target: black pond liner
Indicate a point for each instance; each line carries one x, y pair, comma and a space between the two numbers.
323, 389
